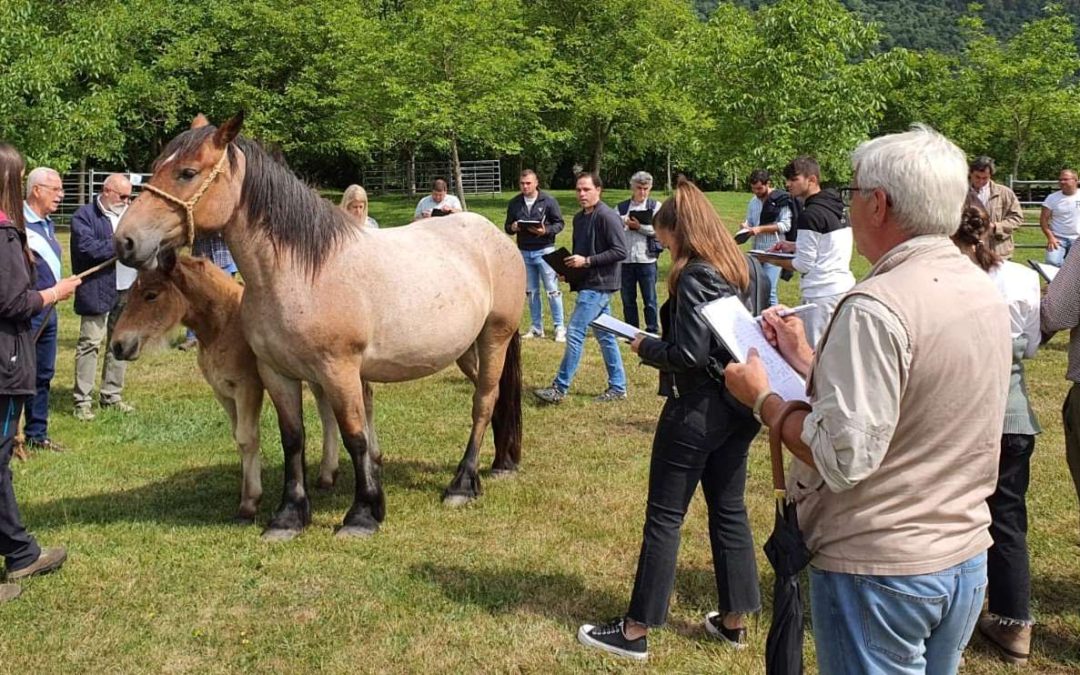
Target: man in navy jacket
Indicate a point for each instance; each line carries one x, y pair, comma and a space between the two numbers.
534, 216
101, 297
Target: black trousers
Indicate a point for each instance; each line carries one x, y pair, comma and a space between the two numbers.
1007, 563
700, 438
16, 545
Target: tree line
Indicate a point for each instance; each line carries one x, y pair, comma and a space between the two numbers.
610, 85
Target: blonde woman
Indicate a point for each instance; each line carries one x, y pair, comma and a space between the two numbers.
355, 202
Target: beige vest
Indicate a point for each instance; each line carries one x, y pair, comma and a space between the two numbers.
924, 509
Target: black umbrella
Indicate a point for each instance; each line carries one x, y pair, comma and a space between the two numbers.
788, 554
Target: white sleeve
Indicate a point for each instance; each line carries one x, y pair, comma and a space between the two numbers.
806, 251
419, 210
783, 221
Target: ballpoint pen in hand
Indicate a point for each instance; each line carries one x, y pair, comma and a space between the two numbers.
784, 313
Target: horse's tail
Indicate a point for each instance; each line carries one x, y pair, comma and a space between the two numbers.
506, 418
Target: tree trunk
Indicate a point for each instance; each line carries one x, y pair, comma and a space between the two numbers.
669, 171
410, 169
598, 150
456, 161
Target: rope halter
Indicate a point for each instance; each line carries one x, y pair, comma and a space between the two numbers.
189, 205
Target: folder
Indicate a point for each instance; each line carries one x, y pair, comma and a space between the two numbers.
556, 259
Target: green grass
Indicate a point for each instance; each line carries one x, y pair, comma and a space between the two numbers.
160, 581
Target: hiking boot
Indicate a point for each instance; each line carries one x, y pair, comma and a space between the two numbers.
560, 334
9, 592
549, 395
1011, 641
50, 560
732, 637
532, 333
118, 406
609, 637
83, 413
188, 344
610, 395
35, 444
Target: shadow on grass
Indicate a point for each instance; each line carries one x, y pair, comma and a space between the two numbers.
553, 595
210, 495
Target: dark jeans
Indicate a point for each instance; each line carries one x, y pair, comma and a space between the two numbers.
37, 410
700, 438
16, 546
1070, 416
633, 276
1007, 564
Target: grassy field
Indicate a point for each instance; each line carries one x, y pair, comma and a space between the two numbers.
160, 581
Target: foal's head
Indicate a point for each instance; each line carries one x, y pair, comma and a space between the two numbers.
155, 305
196, 185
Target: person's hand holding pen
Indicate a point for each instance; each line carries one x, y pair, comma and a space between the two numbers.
784, 330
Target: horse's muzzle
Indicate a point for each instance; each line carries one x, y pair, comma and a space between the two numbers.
125, 349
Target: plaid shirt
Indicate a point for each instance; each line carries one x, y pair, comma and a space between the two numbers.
213, 246
1060, 310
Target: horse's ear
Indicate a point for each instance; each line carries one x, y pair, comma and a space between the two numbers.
199, 121
167, 261
228, 131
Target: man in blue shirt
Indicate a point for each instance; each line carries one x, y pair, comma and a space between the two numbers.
44, 192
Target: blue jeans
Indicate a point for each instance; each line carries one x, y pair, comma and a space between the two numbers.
538, 272
1057, 256
590, 304
773, 272
643, 275
896, 624
37, 409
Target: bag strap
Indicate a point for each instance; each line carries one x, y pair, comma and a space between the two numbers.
776, 446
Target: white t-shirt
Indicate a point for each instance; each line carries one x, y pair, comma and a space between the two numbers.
1019, 286
429, 204
1064, 214
530, 201
125, 276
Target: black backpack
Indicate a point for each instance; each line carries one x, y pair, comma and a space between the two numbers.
757, 293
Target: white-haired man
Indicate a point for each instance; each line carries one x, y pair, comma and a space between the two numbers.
44, 192
101, 297
639, 268
900, 450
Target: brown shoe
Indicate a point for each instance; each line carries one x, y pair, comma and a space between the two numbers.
50, 560
20, 452
34, 445
9, 592
1012, 642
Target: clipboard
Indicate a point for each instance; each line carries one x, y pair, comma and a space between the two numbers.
758, 253
557, 260
643, 217
1047, 272
437, 213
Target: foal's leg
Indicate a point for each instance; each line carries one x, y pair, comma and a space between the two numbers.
466, 483
328, 469
294, 513
343, 389
248, 408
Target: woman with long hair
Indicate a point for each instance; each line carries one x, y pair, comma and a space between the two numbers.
18, 303
1007, 626
703, 436
354, 201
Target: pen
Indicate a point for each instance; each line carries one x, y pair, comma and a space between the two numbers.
784, 313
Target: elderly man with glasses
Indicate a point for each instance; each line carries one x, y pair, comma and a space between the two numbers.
101, 297
44, 192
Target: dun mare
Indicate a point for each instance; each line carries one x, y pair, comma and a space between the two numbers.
334, 304
196, 293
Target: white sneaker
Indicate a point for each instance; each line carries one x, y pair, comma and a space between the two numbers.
560, 334
532, 333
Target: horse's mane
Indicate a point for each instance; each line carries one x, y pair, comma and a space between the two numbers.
276, 202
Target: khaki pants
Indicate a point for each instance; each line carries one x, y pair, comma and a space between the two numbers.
816, 320
1070, 417
92, 331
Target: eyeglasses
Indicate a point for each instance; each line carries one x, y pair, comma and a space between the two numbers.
846, 193
54, 188
121, 197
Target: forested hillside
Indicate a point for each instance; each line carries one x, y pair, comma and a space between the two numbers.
931, 24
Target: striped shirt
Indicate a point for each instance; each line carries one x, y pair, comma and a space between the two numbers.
213, 246
1060, 310
766, 241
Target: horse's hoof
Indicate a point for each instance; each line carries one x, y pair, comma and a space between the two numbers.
355, 531
274, 536
244, 519
456, 500
503, 473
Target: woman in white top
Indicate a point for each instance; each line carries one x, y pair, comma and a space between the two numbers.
1007, 626
355, 202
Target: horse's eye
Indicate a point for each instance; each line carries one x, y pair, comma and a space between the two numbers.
188, 174
151, 296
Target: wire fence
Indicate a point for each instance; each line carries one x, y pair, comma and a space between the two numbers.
81, 186
482, 176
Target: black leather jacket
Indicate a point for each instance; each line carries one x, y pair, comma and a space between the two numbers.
690, 356
18, 303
